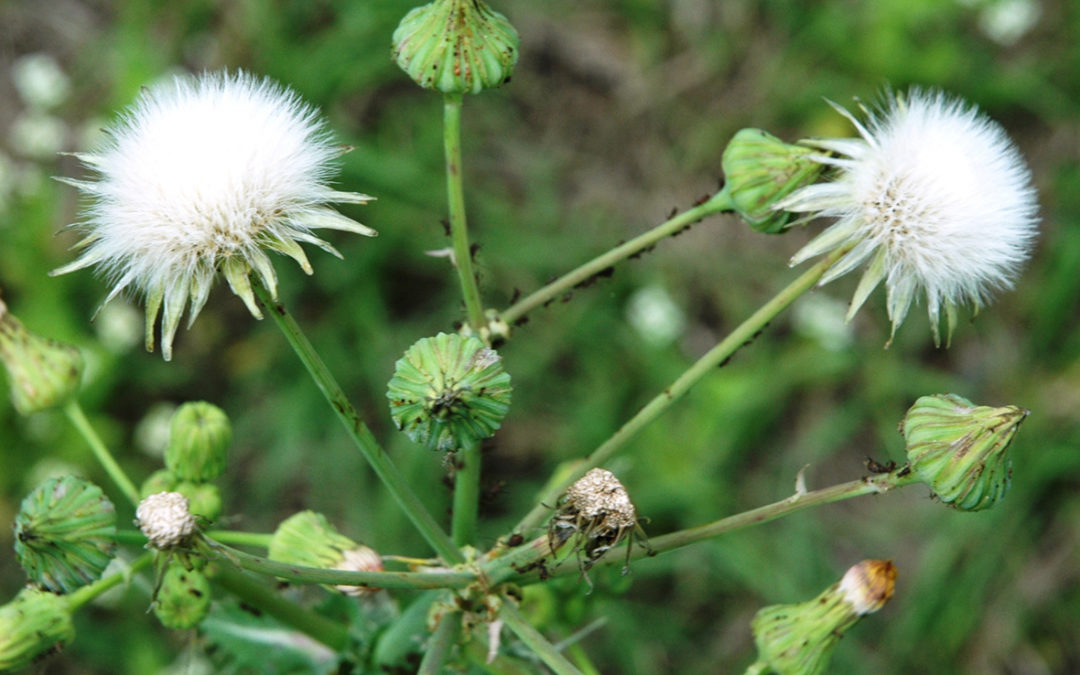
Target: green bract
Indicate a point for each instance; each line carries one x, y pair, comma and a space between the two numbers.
64, 534
760, 170
449, 391
199, 437
958, 448
456, 46
43, 373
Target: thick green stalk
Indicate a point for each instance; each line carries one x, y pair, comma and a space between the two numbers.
717, 356
718, 203
75, 413
466, 494
547, 652
455, 197
516, 565
317, 575
359, 432
235, 538
87, 593
329, 632
438, 647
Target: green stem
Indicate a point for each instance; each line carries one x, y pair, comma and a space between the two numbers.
757, 668
317, 575
466, 494
455, 197
513, 566
358, 431
75, 413
547, 652
326, 631
438, 648
718, 203
234, 538
80, 597
717, 356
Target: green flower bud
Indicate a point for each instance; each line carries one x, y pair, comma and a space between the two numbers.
161, 480
204, 499
307, 538
35, 621
760, 170
798, 639
456, 46
449, 391
65, 534
43, 373
199, 437
958, 448
183, 598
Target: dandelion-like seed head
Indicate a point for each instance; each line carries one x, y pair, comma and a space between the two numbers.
201, 175
934, 195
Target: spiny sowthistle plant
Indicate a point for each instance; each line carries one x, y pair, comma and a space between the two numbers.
205, 175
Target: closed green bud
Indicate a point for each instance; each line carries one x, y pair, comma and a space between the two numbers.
43, 373
161, 480
798, 639
307, 538
449, 391
760, 170
183, 597
65, 534
456, 46
34, 622
958, 448
204, 499
199, 437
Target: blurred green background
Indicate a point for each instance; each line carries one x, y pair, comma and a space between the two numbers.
618, 112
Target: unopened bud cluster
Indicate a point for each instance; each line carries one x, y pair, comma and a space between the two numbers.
199, 438
307, 538
449, 391
798, 639
958, 448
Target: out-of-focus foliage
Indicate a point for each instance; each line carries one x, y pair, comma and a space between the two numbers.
617, 113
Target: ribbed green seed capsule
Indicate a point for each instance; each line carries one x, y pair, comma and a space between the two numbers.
42, 373
456, 46
34, 622
449, 391
760, 170
958, 448
65, 534
183, 599
199, 438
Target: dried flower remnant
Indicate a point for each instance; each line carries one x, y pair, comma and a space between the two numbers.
204, 175
934, 195
166, 520
595, 514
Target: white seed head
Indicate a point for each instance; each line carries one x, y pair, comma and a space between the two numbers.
203, 175
934, 195
165, 518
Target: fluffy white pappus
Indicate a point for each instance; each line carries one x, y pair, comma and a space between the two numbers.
201, 175
934, 195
